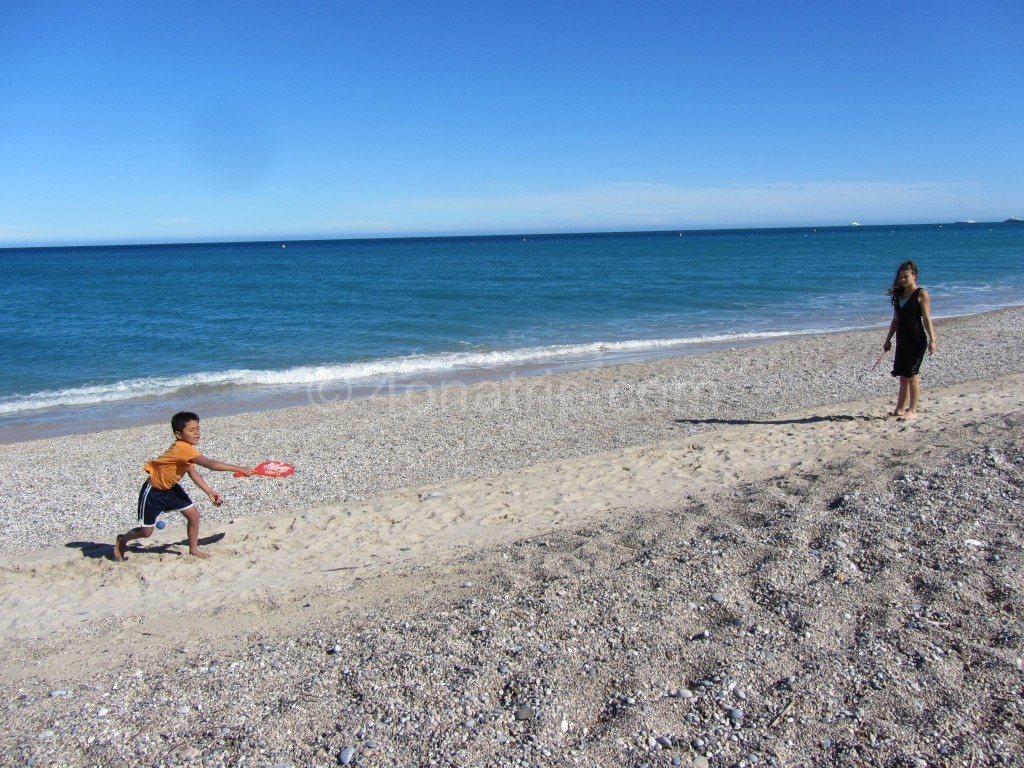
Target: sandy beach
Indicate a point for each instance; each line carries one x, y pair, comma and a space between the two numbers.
731, 559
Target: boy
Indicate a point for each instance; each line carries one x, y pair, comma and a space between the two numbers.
162, 492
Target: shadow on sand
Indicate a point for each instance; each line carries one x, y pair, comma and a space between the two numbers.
741, 422
98, 550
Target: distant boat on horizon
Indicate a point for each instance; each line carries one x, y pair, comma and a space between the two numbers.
855, 224
966, 221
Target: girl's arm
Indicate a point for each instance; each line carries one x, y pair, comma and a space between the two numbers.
926, 314
892, 329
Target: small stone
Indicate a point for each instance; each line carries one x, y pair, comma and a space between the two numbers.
525, 713
718, 597
701, 762
346, 755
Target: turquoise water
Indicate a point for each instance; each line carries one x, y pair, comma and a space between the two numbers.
97, 337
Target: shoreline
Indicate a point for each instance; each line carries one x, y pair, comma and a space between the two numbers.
730, 557
26, 426
361, 448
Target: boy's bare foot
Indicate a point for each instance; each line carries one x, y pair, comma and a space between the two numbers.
199, 553
908, 416
894, 415
119, 554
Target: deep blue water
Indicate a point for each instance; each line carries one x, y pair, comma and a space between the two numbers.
98, 337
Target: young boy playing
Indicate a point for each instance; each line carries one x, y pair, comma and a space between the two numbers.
162, 492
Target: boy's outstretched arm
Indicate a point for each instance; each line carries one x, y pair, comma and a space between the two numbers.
217, 466
220, 466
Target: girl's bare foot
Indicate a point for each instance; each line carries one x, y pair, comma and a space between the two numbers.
198, 553
908, 416
119, 554
894, 415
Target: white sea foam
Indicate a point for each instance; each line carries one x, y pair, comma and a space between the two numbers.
371, 370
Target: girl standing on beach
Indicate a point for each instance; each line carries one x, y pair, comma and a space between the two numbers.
912, 326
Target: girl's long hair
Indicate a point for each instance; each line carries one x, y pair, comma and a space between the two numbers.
895, 290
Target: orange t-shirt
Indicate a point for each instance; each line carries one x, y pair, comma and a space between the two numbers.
169, 468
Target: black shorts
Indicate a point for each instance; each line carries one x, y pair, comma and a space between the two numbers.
153, 502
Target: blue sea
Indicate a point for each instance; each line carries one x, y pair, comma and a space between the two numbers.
105, 337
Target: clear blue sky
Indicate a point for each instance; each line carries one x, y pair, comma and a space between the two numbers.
147, 121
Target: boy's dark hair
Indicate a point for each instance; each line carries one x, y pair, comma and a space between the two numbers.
179, 420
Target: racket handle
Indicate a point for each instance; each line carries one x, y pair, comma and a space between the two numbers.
239, 474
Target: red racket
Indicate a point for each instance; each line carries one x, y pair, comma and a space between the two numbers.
271, 468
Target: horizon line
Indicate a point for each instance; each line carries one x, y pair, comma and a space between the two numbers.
284, 240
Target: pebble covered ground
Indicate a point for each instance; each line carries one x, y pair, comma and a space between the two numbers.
862, 611
812, 620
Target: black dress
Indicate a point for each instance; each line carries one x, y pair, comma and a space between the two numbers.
911, 340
